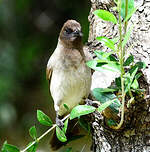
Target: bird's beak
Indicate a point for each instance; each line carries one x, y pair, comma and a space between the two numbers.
77, 34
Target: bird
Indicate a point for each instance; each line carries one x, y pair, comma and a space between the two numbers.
68, 75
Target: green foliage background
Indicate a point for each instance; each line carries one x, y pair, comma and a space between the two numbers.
28, 35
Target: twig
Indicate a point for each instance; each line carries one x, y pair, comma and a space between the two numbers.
44, 134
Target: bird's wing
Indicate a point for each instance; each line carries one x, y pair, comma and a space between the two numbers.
49, 71
88, 55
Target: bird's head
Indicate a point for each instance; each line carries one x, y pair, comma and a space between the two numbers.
71, 34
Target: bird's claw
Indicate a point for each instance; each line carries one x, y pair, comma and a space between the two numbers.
92, 103
59, 123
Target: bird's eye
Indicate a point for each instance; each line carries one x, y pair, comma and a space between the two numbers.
68, 31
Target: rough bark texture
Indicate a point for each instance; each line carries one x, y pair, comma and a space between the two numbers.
134, 136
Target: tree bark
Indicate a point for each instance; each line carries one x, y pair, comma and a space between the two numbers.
134, 136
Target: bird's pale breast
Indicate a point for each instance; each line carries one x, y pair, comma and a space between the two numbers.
69, 85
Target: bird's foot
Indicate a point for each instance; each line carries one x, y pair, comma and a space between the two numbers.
59, 123
95, 104
88, 102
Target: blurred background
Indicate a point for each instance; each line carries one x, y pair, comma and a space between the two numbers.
28, 35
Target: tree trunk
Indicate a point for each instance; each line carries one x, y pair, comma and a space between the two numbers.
134, 136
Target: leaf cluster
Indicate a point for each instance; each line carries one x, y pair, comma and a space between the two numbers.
112, 61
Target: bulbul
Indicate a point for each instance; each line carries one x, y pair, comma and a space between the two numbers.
67, 72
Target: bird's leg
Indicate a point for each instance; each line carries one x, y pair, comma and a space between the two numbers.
59, 121
95, 104
88, 102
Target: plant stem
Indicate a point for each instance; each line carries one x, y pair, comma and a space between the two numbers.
130, 93
122, 106
126, 23
43, 135
121, 59
126, 13
38, 139
65, 117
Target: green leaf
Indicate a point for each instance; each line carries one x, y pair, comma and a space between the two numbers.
65, 126
43, 118
127, 36
115, 40
139, 90
118, 82
33, 147
130, 7
105, 56
101, 65
93, 65
109, 56
109, 65
106, 90
3, 147
105, 15
100, 54
113, 66
9, 148
130, 77
60, 134
127, 83
131, 70
105, 105
129, 60
103, 97
33, 132
138, 75
116, 1
107, 42
106, 61
130, 14
141, 65
113, 58
135, 84
81, 110
66, 107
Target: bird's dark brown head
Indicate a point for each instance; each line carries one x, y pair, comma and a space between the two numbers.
71, 34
